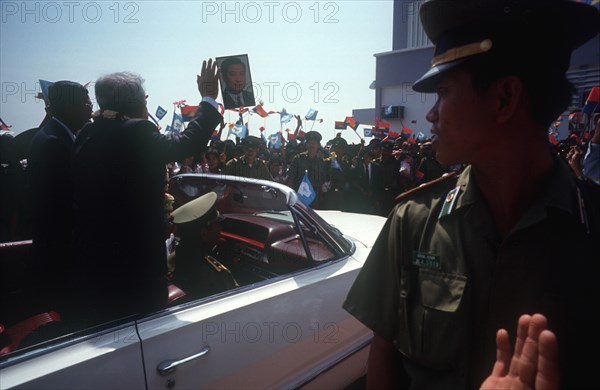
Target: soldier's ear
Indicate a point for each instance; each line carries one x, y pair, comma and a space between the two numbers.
508, 94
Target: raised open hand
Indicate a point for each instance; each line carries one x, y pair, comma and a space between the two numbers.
208, 79
534, 362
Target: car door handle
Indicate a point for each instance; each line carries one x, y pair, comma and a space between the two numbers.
168, 366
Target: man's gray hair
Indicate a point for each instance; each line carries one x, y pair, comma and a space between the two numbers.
122, 92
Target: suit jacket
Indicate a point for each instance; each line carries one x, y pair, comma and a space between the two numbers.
50, 191
362, 182
367, 193
248, 97
119, 175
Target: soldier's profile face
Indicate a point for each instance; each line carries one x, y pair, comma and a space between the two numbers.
460, 120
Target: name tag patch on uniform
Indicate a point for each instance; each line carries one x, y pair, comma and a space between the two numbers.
426, 260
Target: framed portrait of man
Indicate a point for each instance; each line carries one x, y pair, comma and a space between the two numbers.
236, 81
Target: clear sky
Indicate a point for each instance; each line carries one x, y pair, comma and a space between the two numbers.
303, 54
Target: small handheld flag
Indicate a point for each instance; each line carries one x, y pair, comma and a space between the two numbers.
393, 134
177, 123
188, 113
260, 111
352, 122
160, 112
340, 125
335, 164
306, 192
592, 104
275, 141
239, 130
45, 85
285, 117
311, 115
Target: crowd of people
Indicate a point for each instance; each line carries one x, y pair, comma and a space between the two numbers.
363, 177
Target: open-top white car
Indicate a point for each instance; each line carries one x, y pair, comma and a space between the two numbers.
282, 327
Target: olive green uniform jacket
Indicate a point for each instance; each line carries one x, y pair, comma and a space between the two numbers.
239, 167
439, 282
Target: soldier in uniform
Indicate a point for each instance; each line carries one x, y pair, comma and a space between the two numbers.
338, 169
312, 162
197, 272
468, 254
248, 165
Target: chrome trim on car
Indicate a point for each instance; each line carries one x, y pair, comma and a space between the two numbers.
169, 366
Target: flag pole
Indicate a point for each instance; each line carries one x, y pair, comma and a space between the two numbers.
356, 132
155, 121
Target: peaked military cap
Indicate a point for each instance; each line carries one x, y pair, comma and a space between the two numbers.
313, 136
199, 212
338, 142
251, 142
522, 33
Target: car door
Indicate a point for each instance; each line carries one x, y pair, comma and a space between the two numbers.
108, 359
278, 335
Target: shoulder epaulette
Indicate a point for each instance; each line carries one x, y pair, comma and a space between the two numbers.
430, 184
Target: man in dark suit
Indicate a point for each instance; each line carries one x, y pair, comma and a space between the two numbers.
368, 184
119, 176
234, 94
49, 181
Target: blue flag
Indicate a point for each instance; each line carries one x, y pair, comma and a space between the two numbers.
306, 192
44, 85
169, 129
335, 164
239, 130
368, 132
177, 123
160, 112
285, 117
311, 115
421, 136
275, 141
